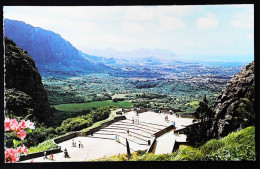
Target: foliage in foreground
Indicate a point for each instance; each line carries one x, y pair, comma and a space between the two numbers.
42, 133
46, 145
236, 146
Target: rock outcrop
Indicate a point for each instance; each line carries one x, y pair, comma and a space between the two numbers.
24, 92
230, 99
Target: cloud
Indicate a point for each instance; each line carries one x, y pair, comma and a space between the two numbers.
244, 19
250, 36
132, 26
207, 22
169, 23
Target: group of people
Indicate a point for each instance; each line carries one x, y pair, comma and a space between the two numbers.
117, 138
135, 120
45, 155
74, 144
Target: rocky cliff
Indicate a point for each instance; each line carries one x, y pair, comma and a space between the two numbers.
230, 99
24, 92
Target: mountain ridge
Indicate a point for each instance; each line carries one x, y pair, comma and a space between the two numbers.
50, 51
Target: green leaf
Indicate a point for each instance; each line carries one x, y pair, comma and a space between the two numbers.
16, 142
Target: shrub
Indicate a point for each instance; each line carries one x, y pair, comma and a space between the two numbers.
189, 153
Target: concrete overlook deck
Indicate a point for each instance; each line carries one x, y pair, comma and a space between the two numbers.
102, 143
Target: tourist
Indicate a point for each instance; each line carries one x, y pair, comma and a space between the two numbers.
170, 112
72, 142
166, 118
173, 124
51, 156
45, 155
66, 155
174, 130
116, 137
128, 131
79, 144
133, 120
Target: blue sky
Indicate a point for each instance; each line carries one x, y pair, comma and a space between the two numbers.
195, 32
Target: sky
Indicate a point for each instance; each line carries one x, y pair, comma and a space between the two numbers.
193, 32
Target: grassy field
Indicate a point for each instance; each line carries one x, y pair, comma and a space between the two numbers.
76, 107
123, 95
194, 104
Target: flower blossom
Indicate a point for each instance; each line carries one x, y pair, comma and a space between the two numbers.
22, 150
18, 128
29, 125
11, 155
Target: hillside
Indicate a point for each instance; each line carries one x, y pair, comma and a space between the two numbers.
50, 51
25, 95
234, 107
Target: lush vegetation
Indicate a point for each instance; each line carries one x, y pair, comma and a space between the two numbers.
43, 133
84, 121
236, 146
76, 107
180, 94
46, 145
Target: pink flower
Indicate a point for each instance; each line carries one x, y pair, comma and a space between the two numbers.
22, 150
23, 124
29, 125
21, 134
11, 155
7, 124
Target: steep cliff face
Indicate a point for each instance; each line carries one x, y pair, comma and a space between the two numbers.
24, 92
230, 99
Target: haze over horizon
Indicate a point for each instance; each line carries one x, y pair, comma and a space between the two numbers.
202, 32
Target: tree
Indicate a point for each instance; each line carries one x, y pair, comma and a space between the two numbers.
204, 112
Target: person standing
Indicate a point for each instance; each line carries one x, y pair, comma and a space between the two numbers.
171, 112
174, 130
133, 120
72, 142
51, 156
116, 137
173, 124
45, 155
66, 153
79, 143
